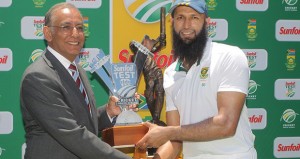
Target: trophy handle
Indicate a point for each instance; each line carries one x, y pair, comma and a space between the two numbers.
153, 76
161, 42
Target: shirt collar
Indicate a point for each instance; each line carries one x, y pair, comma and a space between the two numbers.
65, 62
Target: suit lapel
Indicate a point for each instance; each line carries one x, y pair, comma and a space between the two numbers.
68, 81
90, 95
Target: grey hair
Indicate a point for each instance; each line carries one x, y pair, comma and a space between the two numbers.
49, 18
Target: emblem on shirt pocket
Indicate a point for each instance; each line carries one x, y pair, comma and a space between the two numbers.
204, 73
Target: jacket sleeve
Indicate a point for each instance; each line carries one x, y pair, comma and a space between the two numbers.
52, 106
103, 119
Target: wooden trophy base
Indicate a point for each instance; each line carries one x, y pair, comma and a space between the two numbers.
126, 136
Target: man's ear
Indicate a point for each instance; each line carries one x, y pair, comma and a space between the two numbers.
207, 19
47, 33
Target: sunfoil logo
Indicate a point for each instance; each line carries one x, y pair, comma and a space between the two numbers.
146, 11
287, 147
162, 61
257, 118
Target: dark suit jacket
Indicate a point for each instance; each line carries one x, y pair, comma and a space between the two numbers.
57, 122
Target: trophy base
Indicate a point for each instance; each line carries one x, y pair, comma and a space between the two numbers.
126, 137
128, 117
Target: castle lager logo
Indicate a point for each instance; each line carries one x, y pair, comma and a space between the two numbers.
35, 55
288, 30
252, 5
251, 30
86, 27
290, 59
146, 11
39, 3
211, 4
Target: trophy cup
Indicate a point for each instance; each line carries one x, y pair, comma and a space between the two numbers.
122, 80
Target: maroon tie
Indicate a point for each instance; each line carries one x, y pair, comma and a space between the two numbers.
76, 77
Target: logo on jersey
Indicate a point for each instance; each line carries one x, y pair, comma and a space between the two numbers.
204, 73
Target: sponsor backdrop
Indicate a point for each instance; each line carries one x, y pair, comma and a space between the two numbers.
267, 31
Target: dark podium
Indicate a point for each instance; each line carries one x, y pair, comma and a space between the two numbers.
126, 136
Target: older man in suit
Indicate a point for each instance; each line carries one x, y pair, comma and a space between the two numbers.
60, 119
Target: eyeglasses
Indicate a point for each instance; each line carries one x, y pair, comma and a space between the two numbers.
68, 29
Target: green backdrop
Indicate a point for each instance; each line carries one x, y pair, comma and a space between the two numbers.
275, 114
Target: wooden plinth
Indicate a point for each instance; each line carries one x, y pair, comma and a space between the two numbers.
125, 136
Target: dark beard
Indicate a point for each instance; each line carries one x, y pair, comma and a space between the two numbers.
192, 51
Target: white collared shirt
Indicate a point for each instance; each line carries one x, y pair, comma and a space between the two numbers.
65, 62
